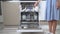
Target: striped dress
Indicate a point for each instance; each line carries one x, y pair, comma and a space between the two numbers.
51, 10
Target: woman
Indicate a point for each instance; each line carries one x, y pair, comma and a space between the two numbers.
52, 14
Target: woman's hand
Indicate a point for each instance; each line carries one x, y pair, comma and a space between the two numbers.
58, 4
36, 3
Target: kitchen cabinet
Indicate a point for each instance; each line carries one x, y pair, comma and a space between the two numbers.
11, 13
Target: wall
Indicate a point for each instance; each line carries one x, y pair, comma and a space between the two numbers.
11, 13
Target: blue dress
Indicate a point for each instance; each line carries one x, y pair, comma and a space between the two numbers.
51, 10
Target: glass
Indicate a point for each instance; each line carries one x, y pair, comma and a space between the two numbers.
35, 17
24, 17
28, 17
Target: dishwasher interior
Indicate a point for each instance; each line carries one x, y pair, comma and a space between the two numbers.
29, 16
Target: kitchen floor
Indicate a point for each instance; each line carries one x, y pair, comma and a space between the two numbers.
13, 30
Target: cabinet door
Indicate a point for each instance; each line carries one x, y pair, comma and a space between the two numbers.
11, 13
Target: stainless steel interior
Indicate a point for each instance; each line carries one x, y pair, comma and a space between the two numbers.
29, 18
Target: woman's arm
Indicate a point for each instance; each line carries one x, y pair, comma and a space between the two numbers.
36, 3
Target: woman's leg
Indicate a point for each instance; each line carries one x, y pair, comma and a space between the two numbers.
54, 26
50, 26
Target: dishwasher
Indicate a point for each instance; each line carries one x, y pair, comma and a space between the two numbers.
29, 19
